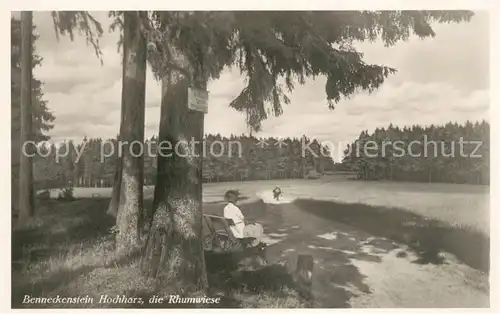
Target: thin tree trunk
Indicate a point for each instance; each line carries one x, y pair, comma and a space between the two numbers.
174, 249
130, 205
115, 194
15, 160
26, 197
15, 188
117, 180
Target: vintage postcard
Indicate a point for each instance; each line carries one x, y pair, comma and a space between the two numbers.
250, 159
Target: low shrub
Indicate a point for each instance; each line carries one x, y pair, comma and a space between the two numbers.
66, 194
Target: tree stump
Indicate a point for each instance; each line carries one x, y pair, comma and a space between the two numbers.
303, 275
234, 255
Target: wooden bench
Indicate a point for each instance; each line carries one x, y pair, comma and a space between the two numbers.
232, 249
241, 247
211, 221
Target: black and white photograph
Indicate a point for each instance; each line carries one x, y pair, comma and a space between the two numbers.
250, 159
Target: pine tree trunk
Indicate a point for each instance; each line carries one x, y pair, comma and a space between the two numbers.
174, 249
15, 188
117, 180
130, 204
115, 194
26, 197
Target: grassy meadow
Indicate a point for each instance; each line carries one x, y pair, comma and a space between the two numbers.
68, 250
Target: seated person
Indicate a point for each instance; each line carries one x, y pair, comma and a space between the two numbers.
239, 229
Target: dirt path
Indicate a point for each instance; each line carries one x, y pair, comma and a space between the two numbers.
353, 269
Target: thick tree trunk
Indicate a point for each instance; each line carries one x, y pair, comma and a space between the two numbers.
130, 204
26, 197
174, 249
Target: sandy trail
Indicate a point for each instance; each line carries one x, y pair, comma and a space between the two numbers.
353, 269
397, 282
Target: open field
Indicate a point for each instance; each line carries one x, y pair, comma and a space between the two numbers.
459, 205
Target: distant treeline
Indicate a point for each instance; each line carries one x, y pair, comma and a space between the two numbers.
235, 158
405, 158
389, 156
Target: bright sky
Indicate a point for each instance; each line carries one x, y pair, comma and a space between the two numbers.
438, 80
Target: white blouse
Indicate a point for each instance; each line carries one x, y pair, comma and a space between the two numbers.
232, 211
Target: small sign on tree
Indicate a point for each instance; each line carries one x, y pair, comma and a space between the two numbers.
198, 99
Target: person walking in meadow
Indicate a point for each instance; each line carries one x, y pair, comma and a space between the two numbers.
239, 228
277, 193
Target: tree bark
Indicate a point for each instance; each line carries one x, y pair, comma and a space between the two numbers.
130, 203
26, 195
117, 180
115, 194
174, 249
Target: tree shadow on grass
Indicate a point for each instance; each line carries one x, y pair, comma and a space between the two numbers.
63, 277
234, 289
234, 283
59, 226
427, 237
41, 288
236, 273
62, 227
